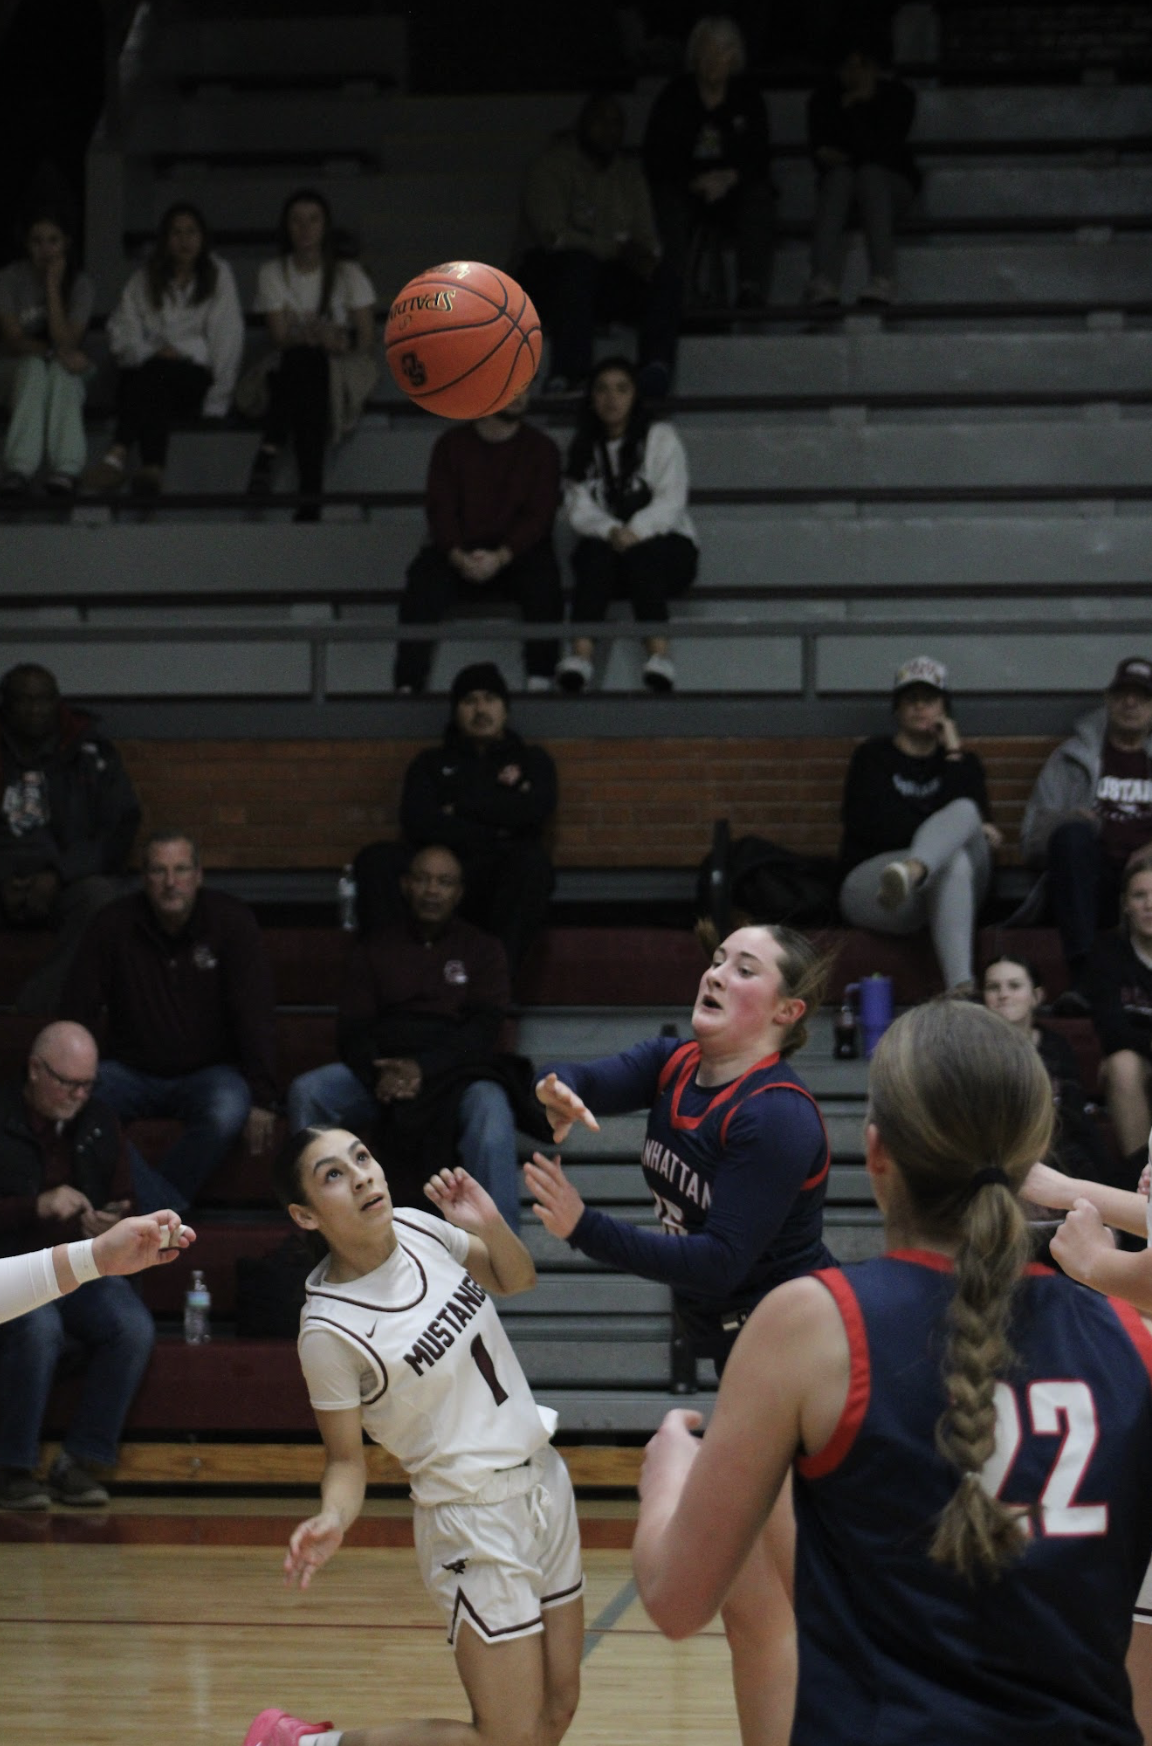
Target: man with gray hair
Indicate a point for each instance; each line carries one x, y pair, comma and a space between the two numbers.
60, 1151
179, 978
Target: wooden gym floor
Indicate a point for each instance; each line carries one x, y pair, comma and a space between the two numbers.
164, 1622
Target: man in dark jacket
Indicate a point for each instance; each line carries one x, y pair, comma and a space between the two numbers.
59, 1152
68, 815
179, 979
421, 1010
487, 796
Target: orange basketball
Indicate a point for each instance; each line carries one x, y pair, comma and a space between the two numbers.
462, 339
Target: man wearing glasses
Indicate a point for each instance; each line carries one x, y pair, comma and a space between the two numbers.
179, 979
60, 1151
420, 1015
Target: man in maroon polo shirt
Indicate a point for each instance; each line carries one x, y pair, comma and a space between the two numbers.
493, 492
178, 980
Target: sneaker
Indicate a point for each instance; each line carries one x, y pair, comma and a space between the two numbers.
70, 1482
821, 294
659, 674
260, 478
895, 885
538, 682
278, 1728
13, 485
105, 475
148, 481
574, 673
879, 293
22, 1490
60, 484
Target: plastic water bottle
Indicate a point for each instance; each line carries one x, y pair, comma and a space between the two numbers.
346, 900
197, 1311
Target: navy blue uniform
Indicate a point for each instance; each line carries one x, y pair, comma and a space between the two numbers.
738, 1172
895, 1649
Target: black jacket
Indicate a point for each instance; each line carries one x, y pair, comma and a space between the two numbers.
485, 812
683, 139
92, 807
888, 794
94, 1134
875, 132
1119, 985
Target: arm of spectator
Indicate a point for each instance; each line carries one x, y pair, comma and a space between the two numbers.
423, 818
643, 249
17, 343
546, 201
666, 470
129, 336
115, 820
364, 327
251, 1002
520, 805
1062, 792
19, 1219
755, 142
65, 324
224, 332
584, 515
443, 497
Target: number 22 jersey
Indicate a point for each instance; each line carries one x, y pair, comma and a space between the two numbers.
417, 1346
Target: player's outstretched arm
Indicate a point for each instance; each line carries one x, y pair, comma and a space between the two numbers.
497, 1259
563, 1108
557, 1204
341, 1498
1121, 1207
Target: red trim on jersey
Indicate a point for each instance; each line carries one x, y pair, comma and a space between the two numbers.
673, 1062
1136, 1329
689, 1058
859, 1379
815, 1180
945, 1263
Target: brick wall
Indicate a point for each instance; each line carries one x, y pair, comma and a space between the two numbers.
310, 803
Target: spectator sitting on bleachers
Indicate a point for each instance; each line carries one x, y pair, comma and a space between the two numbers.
1089, 810
59, 1153
421, 1077
591, 251
859, 119
1011, 986
1119, 985
177, 334
320, 312
707, 154
492, 494
916, 845
179, 981
68, 814
627, 499
45, 307
489, 797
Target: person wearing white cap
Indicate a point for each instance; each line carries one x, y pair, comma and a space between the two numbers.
1091, 809
917, 842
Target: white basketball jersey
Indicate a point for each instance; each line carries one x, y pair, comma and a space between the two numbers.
426, 1360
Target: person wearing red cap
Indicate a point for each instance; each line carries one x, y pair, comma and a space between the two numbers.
1090, 810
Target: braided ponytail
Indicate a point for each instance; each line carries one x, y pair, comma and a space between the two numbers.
953, 1086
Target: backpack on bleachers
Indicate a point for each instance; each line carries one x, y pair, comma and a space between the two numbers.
759, 880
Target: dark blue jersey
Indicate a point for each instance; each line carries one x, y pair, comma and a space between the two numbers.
738, 1172
897, 1649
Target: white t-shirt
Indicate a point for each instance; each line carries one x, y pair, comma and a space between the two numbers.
281, 285
418, 1347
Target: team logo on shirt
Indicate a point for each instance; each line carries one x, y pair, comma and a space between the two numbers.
663, 1162
445, 1325
455, 973
457, 1566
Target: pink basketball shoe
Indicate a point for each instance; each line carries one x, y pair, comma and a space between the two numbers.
278, 1728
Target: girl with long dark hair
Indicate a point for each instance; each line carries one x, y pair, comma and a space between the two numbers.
45, 306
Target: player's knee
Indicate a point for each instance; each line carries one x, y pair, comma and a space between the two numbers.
559, 1710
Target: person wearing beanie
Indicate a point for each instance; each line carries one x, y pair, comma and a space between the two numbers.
486, 795
917, 843
492, 494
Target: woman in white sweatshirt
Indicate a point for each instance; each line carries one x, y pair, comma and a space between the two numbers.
626, 496
178, 335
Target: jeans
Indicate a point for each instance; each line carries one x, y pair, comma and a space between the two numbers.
47, 419
109, 1321
151, 397
649, 574
432, 588
333, 1097
1083, 888
213, 1104
882, 197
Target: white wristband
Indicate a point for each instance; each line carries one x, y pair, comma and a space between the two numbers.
82, 1260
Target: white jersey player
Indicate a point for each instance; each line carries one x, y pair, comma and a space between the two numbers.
399, 1338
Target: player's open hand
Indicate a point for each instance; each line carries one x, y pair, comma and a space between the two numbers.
1080, 1242
310, 1548
564, 1109
462, 1200
670, 1454
558, 1206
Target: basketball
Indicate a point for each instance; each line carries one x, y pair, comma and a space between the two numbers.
462, 339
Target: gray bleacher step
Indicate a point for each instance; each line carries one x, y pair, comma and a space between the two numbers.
621, 1185
603, 1294
624, 1411
623, 1351
622, 1137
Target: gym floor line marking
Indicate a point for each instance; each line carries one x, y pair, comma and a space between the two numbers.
607, 1617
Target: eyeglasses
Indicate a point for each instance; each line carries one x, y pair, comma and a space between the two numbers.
75, 1085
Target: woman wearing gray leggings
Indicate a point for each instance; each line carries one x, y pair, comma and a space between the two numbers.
917, 846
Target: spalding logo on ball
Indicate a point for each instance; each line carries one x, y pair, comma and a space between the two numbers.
462, 339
